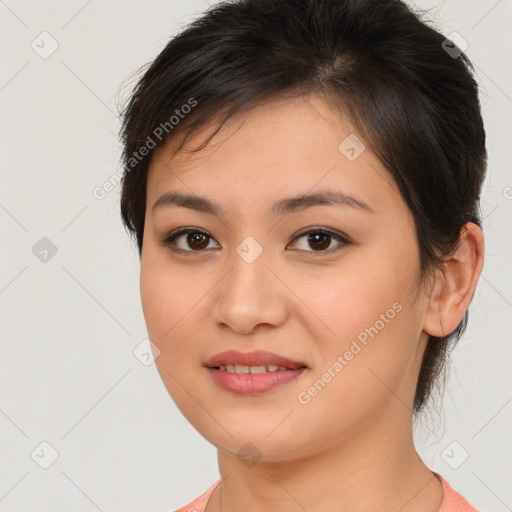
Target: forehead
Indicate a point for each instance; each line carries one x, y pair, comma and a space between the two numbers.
281, 147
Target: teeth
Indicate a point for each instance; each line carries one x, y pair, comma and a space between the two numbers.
239, 368
258, 369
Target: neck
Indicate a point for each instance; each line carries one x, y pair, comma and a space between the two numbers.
377, 469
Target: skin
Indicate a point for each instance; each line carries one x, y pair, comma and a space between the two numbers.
355, 435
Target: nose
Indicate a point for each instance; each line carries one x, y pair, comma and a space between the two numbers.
250, 297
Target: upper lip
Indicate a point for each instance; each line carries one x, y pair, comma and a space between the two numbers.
255, 358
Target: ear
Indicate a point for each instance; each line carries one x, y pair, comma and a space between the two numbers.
455, 283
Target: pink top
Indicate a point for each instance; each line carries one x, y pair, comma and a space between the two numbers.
452, 502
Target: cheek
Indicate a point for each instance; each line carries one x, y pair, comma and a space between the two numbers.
369, 361
374, 323
356, 297
170, 301
166, 294
379, 331
167, 301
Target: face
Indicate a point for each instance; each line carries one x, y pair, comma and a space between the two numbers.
332, 285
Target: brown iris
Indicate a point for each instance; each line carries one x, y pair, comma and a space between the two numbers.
314, 238
197, 238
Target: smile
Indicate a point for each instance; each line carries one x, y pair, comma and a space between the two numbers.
252, 380
241, 368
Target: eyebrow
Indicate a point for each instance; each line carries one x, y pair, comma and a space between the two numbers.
281, 207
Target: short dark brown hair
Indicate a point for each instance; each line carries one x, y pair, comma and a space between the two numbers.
411, 96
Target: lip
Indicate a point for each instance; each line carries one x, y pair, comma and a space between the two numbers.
252, 383
254, 358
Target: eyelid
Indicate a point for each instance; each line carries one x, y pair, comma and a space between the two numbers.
329, 231
337, 235
170, 237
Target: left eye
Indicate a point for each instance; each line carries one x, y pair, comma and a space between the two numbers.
319, 239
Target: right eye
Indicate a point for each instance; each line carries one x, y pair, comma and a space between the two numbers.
196, 238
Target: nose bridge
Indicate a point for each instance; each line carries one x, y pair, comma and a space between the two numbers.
248, 277
246, 296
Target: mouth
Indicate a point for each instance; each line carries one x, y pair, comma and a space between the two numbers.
242, 368
258, 361
252, 372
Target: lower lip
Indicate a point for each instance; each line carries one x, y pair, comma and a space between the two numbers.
253, 383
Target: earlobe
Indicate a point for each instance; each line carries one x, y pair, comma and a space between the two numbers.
455, 283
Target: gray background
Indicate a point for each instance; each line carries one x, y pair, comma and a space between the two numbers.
70, 321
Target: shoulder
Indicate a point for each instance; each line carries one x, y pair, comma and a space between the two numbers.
199, 504
453, 501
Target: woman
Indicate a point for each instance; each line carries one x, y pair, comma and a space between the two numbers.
302, 178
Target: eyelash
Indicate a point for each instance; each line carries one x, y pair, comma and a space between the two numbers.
169, 239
